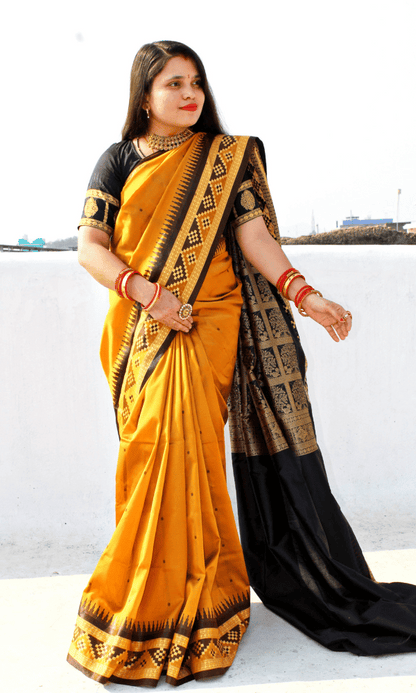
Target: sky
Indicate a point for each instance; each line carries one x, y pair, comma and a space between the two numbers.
328, 86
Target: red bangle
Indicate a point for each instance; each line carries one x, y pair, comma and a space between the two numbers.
288, 282
301, 310
121, 282
302, 293
119, 279
280, 282
283, 277
124, 288
155, 297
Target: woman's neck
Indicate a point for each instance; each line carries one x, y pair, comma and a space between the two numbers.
152, 142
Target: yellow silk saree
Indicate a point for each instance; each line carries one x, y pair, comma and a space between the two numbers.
170, 593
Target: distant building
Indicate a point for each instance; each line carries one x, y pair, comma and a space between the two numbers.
356, 221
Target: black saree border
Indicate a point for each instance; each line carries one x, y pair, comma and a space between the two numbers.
120, 365
183, 253
179, 206
210, 254
174, 218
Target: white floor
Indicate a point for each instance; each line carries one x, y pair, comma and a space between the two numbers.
37, 617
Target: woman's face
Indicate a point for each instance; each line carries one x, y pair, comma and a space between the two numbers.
176, 97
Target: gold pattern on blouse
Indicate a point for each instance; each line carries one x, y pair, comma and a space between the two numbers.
247, 200
91, 208
100, 210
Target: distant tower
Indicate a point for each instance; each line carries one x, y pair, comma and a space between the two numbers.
313, 231
399, 192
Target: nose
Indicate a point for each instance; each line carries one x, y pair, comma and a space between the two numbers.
188, 91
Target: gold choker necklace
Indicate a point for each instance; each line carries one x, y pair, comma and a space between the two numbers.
160, 142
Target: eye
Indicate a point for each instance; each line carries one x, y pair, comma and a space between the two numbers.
174, 84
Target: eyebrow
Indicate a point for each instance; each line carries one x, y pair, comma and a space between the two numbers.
181, 77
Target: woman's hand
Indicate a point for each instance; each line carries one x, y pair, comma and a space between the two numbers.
166, 311
95, 255
267, 256
336, 320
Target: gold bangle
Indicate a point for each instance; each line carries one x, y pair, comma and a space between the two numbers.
288, 282
156, 296
124, 281
301, 310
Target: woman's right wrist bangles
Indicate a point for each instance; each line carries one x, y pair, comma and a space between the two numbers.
284, 282
155, 297
121, 282
121, 287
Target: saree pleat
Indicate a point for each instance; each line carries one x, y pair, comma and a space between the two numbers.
170, 592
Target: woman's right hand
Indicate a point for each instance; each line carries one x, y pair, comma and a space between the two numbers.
166, 311
166, 308
95, 255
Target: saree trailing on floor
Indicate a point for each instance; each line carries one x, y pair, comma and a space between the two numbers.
170, 593
302, 557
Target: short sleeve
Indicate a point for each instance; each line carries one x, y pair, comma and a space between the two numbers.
100, 211
247, 205
102, 201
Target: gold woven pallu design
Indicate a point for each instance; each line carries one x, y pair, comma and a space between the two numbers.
269, 406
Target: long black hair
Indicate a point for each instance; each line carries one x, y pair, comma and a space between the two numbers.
149, 61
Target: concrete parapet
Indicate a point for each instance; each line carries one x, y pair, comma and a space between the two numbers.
57, 431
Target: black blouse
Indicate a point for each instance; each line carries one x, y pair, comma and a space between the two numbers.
103, 196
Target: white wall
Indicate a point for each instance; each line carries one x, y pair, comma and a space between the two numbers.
58, 439
58, 442
363, 390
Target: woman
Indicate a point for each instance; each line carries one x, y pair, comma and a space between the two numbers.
179, 223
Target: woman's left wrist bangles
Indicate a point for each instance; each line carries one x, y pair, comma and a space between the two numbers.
122, 291
301, 295
284, 282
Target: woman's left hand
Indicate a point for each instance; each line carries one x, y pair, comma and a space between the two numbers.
336, 320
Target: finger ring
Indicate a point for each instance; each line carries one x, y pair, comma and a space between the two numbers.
347, 315
185, 311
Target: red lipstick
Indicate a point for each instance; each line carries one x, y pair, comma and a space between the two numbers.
189, 107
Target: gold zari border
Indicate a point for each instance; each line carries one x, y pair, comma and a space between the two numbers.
96, 224
247, 217
92, 192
